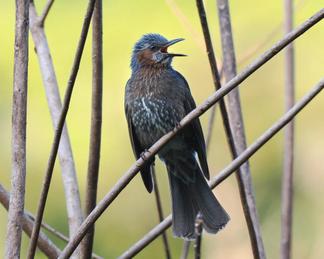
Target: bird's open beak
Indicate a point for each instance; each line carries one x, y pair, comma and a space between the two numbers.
164, 48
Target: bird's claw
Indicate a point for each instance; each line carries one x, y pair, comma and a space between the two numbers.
142, 155
177, 125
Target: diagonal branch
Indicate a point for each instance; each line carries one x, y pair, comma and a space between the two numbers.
160, 213
19, 120
55, 232
43, 243
59, 129
231, 168
69, 177
237, 132
47, 8
288, 168
211, 100
96, 121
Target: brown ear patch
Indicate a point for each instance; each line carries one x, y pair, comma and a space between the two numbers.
145, 57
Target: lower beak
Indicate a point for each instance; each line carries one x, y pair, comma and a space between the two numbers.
168, 44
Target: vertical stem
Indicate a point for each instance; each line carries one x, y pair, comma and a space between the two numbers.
96, 120
59, 129
19, 118
44, 243
211, 121
237, 131
185, 249
69, 175
287, 179
198, 230
160, 212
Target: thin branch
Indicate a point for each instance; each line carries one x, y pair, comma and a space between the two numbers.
69, 176
47, 8
58, 132
198, 232
211, 122
19, 119
237, 132
211, 100
185, 248
287, 178
160, 213
49, 228
268, 38
231, 168
55, 232
186, 24
232, 120
96, 121
44, 243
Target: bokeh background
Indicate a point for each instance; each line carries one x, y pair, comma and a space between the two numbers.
134, 213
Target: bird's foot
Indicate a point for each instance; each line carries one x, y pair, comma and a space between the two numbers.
142, 155
177, 125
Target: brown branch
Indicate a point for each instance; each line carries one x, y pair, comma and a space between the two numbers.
211, 122
59, 129
47, 8
19, 119
69, 176
44, 243
211, 100
160, 213
96, 121
55, 232
237, 132
231, 168
288, 169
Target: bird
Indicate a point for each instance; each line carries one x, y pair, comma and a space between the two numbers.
157, 97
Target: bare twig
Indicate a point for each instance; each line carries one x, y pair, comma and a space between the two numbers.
58, 132
287, 178
211, 100
69, 176
211, 121
96, 120
49, 228
186, 24
19, 118
44, 244
198, 232
232, 167
237, 130
47, 8
232, 121
185, 248
160, 213
268, 38
55, 232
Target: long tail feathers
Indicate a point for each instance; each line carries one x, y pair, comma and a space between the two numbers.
189, 198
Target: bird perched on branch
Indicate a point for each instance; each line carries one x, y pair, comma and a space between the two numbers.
157, 97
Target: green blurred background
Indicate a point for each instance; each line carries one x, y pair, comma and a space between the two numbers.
134, 212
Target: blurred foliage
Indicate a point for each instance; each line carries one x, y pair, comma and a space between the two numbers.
134, 213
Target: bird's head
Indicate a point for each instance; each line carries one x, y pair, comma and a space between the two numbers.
152, 50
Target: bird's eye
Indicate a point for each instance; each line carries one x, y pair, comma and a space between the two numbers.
154, 48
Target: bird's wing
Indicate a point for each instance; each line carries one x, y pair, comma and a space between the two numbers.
138, 149
194, 130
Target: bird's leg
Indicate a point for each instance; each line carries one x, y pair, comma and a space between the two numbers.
177, 125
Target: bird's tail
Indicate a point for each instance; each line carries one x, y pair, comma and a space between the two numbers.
191, 196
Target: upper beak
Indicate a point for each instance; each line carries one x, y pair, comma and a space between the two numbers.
168, 44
